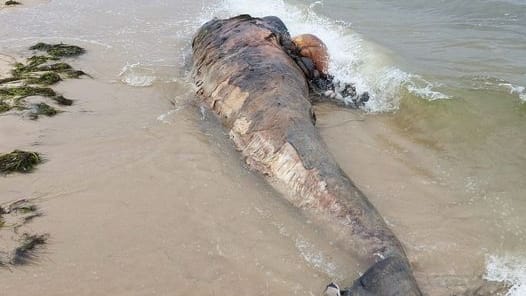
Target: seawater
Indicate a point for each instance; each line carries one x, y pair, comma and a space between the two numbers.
449, 75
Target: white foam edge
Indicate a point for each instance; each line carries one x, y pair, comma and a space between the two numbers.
509, 269
353, 59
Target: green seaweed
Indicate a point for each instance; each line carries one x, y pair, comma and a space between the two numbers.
34, 65
32, 78
12, 2
9, 79
58, 67
20, 213
47, 78
62, 101
2, 212
19, 69
37, 60
21, 206
26, 209
28, 244
59, 50
26, 91
42, 109
4, 107
75, 73
19, 161
17, 94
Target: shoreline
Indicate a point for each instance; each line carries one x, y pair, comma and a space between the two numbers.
140, 195
106, 163
399, 177
115, 198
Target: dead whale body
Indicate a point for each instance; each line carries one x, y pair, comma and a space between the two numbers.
244, 72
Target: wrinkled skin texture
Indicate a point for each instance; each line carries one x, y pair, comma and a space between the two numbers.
244, 72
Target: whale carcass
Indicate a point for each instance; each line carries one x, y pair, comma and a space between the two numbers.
245, 73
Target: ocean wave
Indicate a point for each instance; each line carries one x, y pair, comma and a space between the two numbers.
515, 90
353, 59
508, 269
497, 84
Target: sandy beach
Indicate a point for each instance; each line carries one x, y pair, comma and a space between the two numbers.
142, 192
168, 207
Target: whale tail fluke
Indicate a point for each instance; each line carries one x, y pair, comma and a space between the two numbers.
390, 277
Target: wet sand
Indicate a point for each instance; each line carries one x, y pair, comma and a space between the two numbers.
23, 4
138, 203
135, 205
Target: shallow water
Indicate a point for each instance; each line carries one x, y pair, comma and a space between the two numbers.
142, 184
450, 77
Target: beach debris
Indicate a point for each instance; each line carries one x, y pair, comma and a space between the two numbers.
34, 77
62, 101
11, 3
13, 97
75, 73
4, 107
28, 244
9, 79
59, 50
21, 92
47, 78
19, 247
19, 161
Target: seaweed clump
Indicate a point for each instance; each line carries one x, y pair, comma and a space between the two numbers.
47, 78
18, 248
28, 243
4, 107
36, 64
62, 101
21, 92
59, 50
8, 79
19, 161
12, 97
12, 2
33, 77
42, 109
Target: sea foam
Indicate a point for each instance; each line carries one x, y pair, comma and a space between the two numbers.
137, 75
516, 90
509, 269
353, 59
